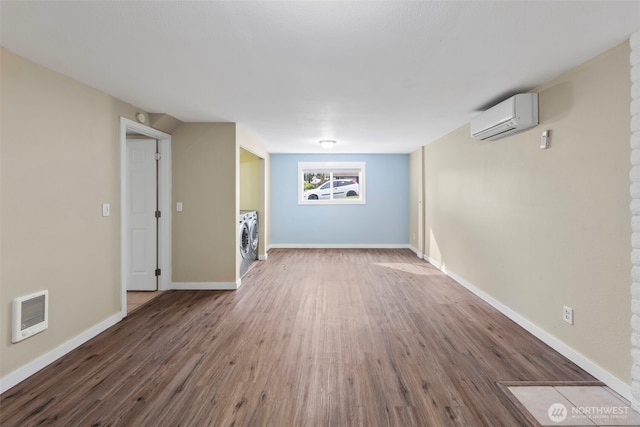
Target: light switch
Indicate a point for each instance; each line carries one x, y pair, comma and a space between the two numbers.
106, 209
544, 140
179, 206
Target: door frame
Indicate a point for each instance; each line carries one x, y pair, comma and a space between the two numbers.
164, 203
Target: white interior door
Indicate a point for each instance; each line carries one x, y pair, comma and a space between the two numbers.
142, 198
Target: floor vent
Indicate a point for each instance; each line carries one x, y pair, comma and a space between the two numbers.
30, 315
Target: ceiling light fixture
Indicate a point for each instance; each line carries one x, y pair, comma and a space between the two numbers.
327, 143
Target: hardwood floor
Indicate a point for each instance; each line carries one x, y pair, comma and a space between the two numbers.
312, 338
136, 299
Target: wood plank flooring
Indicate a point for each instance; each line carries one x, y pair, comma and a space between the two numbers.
136, 299
312, 338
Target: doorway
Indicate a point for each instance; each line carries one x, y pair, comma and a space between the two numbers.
145, 209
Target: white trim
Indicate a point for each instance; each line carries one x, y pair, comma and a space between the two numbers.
46, 359
579, 359
164, 200
207, 286
416, 251
339, 246
263, 257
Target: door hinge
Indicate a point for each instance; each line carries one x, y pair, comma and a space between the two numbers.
158, 271
158, 214
158, 156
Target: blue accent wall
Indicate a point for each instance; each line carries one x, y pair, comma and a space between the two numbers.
384, 219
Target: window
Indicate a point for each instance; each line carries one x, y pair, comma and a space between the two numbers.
331, 183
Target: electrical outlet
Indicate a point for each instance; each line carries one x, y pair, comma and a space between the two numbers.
567, 314
106, 209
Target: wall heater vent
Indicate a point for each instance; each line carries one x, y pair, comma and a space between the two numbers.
30, 315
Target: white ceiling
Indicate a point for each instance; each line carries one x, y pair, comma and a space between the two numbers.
377, 76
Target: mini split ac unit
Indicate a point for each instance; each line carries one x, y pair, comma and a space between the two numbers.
511, 116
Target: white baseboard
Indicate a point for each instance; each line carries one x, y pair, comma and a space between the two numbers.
339, 246
561, 347
206, 286
433, 262
263, 257
416, 251
41, 362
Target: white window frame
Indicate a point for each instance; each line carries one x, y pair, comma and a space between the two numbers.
332, 166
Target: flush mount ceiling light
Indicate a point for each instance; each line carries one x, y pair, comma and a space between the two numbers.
327, 143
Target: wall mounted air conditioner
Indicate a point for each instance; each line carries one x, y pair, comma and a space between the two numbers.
511, 116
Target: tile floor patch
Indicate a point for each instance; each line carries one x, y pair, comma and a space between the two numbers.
600, 405
546, 405
572, 405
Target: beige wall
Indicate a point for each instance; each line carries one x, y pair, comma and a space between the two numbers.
539, 229
204, 159
164, 122
250, 181
60, 162
250, 143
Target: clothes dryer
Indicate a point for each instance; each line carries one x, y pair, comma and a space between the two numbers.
245, 243
252, 220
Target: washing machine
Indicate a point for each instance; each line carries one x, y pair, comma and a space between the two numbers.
245, 244
248, 254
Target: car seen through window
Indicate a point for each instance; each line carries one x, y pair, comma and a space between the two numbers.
341, 188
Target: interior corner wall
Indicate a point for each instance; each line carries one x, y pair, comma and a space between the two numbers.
634, 57
60, 161
204, 171
538, 229
415, 202
164, 122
